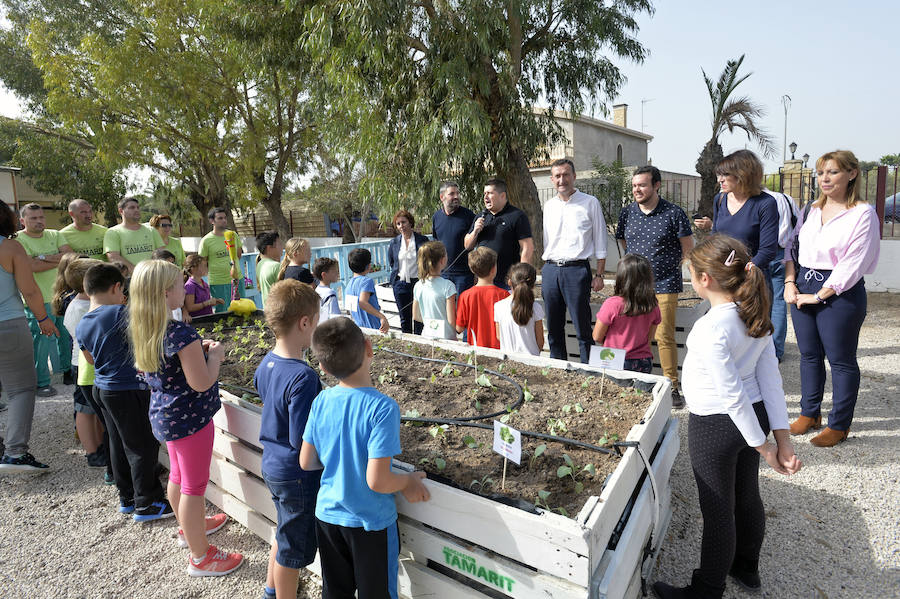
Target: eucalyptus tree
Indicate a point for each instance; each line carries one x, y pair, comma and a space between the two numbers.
728, 114
419, 91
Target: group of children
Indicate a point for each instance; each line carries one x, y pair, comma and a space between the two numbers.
490, 316
148, 378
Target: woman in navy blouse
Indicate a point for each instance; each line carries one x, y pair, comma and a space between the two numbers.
742, 210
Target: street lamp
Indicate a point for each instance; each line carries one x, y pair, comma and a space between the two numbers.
805, 160
793, 148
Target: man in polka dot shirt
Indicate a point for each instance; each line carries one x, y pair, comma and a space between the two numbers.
659, 231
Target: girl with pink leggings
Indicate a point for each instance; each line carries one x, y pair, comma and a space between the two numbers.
181, 369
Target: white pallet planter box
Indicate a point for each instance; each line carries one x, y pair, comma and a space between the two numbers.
685, 317
490, 547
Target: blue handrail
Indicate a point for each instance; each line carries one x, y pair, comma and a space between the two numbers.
339, 253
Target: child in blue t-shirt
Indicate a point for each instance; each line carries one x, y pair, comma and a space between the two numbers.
122, 395
359, 295
287, 387
181, 369
352, 433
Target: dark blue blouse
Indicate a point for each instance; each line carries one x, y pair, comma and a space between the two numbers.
755, 224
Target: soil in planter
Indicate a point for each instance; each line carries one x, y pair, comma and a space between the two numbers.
562, 403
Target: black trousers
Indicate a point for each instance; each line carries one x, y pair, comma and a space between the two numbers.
726, 470
91, 395
403, 295
358, 563
133, 450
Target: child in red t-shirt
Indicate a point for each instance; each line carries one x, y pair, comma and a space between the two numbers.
628, 319
475, 311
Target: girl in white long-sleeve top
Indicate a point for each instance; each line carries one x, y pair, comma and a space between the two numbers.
734, 394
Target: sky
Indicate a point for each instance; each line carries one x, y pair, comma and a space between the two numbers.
836, 60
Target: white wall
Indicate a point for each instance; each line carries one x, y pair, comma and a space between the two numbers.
886, 276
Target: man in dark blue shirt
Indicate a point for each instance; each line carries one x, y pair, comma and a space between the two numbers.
503, 228
659, 231
449, 225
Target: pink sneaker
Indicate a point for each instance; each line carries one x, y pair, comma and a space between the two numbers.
213, 523
216, 563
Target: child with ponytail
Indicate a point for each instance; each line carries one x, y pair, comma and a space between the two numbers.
734, 394
434, 298
297, 252
519, 320
181, 370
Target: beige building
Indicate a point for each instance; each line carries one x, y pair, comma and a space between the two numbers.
17, 192
586, 138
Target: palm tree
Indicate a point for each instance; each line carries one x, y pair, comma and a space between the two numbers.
728, 113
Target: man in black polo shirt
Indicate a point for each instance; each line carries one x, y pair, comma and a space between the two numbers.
503, 228
450, 224
659, 231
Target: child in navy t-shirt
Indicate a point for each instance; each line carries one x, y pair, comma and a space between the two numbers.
287, 387
122, 395
352, 434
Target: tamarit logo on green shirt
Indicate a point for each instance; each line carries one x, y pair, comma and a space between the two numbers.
469, 565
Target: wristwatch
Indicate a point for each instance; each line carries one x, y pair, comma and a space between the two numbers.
41, 257
818, 299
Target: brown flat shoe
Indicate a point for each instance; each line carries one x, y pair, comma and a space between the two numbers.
803, 424
829, 437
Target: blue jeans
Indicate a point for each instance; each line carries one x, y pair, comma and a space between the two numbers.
567, 287
295, 506
779, 308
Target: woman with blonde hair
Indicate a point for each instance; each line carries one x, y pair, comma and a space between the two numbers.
839, 237
181, 370
743, 210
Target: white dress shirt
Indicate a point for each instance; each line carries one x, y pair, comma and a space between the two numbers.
726, 371
574, 230
406, 257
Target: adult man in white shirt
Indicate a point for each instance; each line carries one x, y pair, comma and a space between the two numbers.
787, 220
574, 232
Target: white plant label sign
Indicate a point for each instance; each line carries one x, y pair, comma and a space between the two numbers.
607, 357
507, 442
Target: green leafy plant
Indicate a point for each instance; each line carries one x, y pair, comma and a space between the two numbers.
587, 382
538, 452
484, 381
545, 371
436, 461
506, 435
607, 439
607, 354
556, 426
388, 376
438, 430
483, 485
470, 442
509, 414
447, 370
541, 500
526, 393
571, 470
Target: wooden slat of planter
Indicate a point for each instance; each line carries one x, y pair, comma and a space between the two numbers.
548, 542
230, 447
241, 512
239, 483
418, 581
604, 520
238, 421
484, 567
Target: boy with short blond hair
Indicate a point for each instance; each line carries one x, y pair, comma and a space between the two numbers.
352, 434
287, 386
475, 310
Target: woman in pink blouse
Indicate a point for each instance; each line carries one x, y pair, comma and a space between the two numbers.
838, 243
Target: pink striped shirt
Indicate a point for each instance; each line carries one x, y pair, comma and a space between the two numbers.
847, 245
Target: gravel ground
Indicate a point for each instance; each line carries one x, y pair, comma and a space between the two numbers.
833, 529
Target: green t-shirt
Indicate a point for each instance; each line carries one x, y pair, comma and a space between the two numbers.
175, 247
212, 247
134, 246
48, 243
266, 275
87, 243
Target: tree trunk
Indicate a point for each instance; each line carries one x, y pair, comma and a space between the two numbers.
272, 203
706, 167
522, 193
110, 211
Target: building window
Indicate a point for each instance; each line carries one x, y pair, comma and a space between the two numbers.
619, 154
